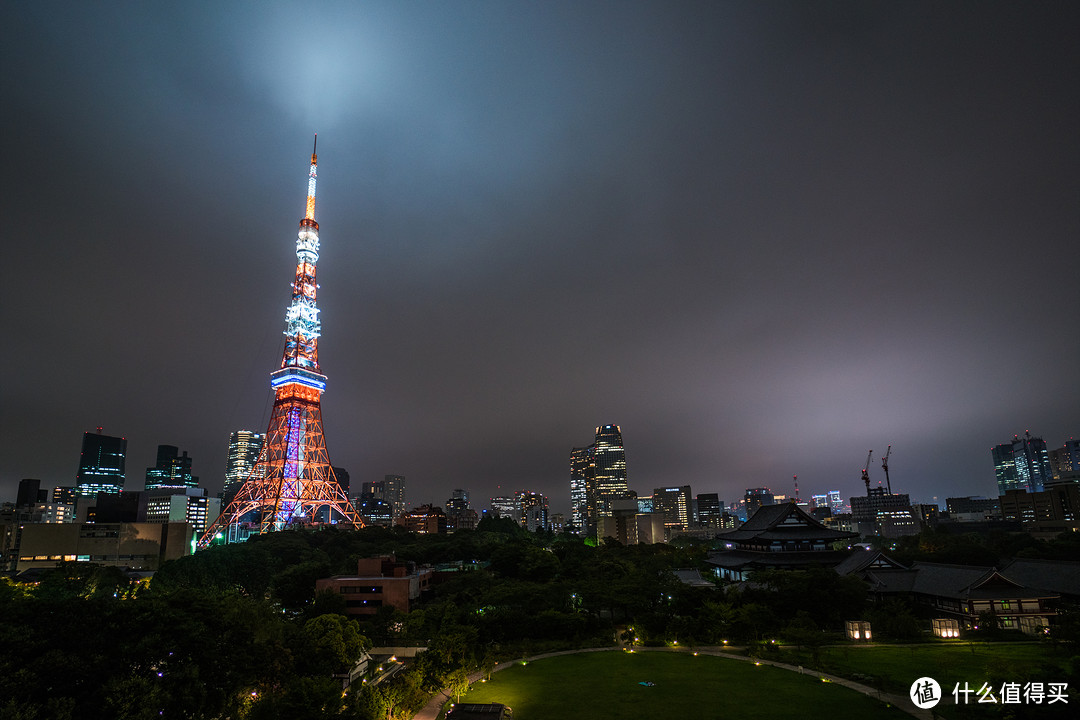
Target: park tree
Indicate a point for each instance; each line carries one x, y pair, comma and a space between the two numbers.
294, 585
337, 639
893, 619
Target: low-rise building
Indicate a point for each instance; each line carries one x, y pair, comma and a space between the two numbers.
379, 581
962, 592
426, 519
136, 546
1051, 511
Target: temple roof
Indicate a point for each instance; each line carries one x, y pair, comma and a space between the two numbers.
867, 560
786, 521
1059, 576
968, 581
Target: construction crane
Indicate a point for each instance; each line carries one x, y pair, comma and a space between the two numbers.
796, 479
866, 473
885, 467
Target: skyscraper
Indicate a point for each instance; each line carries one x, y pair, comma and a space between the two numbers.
506, 506
30, 493
757, 498
610, 463
673, 502
101, 465
581, 470
342, 477
1065, 462
709, 510
459, 512
390, 490
244, 449
1022, 464
171, 471
458, 501
534, 511
597, 477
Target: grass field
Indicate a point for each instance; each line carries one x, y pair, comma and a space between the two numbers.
894, 667
606, 685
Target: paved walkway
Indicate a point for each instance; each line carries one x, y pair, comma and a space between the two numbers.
901, 702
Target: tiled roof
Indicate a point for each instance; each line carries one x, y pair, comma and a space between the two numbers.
968, 581
692, 577
862, 560
891, 581
1059, 576
768, 523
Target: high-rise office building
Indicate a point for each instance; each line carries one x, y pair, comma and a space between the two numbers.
883, 513
710, 510
192, 505
1065, 463
374, 511
757, 498
394, 492
1022, 464
171, 471
458, 501
391, 490
674, 503
506, 506
836, 502
244, 449
459, 512
610, 463
597, 477
581, 469
534, 511
342, 477
101, 465
30, 493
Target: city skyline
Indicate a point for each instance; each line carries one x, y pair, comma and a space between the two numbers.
761, 239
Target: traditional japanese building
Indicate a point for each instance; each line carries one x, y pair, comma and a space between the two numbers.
781, 537
963, 592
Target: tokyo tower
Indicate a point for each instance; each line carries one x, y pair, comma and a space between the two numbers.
292, 481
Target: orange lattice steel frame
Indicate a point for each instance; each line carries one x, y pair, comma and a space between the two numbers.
292, 481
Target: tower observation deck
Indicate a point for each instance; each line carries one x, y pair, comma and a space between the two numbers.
292, 482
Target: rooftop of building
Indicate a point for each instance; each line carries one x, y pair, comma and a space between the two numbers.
786, 521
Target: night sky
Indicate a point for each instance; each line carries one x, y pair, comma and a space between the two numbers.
762, 237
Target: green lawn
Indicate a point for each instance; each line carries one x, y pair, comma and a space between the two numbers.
894, 667
605, 685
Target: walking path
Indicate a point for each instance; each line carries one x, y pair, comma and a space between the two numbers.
901, 702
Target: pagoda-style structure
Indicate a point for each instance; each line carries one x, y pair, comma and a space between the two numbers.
780, 537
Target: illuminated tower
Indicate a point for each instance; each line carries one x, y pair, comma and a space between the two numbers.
293, 482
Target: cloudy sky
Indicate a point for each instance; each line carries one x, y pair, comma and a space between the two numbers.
762, 237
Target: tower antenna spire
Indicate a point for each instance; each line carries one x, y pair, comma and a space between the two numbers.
310, 213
